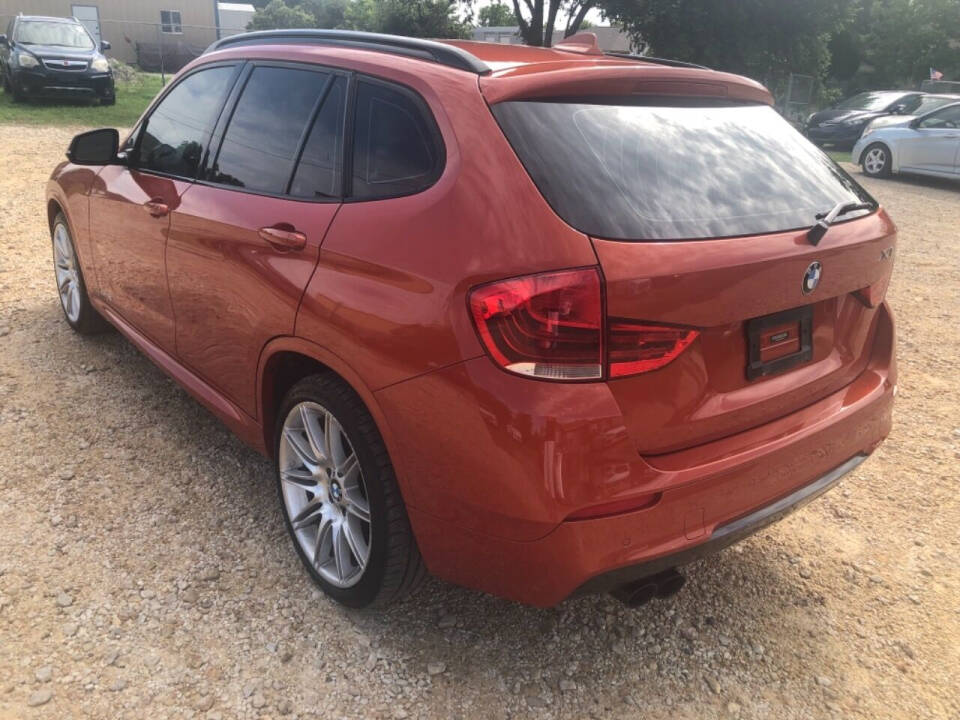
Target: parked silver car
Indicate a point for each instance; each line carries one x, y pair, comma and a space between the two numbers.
927, 143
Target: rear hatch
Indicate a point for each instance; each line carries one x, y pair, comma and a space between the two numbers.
698, 210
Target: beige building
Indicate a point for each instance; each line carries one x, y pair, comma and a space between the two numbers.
138, 30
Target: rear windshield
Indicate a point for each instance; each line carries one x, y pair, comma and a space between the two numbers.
647, 172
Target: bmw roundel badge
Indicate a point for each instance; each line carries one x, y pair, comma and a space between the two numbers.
811, 278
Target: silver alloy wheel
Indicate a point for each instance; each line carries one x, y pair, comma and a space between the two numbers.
324, 494
68, 274
874, 160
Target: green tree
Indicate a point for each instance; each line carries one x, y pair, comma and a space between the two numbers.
903, 39
277, 14
538, 18
496, 15
764, 39
416, 18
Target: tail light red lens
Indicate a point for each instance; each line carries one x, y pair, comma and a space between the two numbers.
547, 326
551, 326
637, 348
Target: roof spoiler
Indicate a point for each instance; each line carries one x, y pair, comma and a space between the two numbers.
657, 60
429, 50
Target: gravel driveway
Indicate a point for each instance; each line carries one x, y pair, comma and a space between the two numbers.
145, 572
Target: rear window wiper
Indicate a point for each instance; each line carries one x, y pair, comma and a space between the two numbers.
825, 220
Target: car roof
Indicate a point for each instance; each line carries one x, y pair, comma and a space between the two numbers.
574, 67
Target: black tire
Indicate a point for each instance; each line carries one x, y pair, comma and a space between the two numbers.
88, 321
876, 151
395, 568
112, 100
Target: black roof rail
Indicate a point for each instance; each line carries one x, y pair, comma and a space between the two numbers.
657, 60
430, 50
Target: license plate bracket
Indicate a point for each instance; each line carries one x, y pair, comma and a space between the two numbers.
779, 341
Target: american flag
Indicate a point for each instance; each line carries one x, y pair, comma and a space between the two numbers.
935, 74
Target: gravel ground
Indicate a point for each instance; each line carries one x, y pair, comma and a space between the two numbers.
145, 572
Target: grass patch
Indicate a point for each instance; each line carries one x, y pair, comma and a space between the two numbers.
132, 99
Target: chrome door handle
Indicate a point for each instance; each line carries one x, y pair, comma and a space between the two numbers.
283, 239
156, 207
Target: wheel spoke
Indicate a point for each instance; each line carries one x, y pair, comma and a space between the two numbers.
333, 440
324, 543
300, 448
349, 469
311, 513
359, 509
315, 435
356, 543
300, 478
341, 552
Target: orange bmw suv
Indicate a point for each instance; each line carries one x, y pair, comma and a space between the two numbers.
537, 321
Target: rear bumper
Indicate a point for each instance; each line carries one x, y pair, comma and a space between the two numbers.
725, 535
489, 488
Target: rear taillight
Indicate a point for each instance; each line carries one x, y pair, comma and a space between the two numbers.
641, 347
548, 326
551, 326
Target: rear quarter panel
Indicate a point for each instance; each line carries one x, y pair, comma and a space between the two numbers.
389, 291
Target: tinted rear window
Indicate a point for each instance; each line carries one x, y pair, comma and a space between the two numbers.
396, 150
644, 172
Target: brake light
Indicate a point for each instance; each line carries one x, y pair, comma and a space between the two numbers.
547, 326
639, 347
551, 326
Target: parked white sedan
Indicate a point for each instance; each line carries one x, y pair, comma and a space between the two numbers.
927, 145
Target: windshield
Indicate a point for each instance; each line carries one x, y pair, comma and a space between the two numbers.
649, 172
59, 34
868, 101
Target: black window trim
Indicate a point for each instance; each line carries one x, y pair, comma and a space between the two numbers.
440, 162
238, 81
216, 139
134, 153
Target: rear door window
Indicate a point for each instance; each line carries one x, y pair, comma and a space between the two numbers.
178, 129
259, 147
669, 172
396, 146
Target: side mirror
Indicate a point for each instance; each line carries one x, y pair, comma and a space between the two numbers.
897, 109
105, 45
3, 41
916, 123
97, 147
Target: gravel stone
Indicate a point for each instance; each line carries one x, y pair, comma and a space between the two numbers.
436, 668
40, 697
